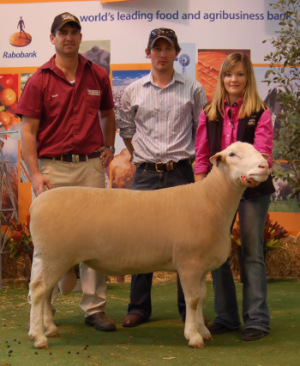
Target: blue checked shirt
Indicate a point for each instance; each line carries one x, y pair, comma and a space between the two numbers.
162, 122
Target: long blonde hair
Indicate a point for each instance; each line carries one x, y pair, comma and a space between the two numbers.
251, 100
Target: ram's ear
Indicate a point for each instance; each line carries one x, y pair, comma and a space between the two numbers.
217, 158
266, 156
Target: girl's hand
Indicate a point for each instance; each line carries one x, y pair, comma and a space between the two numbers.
251, 183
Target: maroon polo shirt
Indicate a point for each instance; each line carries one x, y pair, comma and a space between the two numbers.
69, 119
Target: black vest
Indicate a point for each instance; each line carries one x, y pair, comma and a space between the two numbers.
245, 133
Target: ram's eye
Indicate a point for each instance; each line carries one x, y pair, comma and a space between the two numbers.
232, 154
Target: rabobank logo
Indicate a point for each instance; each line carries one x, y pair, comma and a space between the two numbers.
20, 38
19, 54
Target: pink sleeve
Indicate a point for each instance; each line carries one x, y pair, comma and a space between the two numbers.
202, 164
263, 139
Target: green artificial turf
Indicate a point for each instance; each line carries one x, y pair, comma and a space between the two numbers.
157, 342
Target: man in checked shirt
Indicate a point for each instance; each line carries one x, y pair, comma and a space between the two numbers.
159, 119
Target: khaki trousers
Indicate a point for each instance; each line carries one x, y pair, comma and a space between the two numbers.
84, 174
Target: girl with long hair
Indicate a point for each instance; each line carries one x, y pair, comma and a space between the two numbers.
237, 113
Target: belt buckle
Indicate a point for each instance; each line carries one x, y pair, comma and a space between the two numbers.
156, 167
62, 159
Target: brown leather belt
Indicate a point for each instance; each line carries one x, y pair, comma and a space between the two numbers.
74, 158
160, 167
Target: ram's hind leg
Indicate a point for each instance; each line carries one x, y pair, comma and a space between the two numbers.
41, 317
50, 328
38, 296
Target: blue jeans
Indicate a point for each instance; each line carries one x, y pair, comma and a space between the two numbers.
140, 292
252, 216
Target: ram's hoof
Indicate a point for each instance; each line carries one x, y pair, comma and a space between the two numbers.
53, 335
208, 339
41, 346
52, 331
40, 341
201, 345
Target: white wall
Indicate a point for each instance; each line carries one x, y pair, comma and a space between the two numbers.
129, 37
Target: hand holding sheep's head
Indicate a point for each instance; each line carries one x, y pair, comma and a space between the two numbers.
245, 164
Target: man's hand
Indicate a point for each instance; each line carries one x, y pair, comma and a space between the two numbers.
38, 183
108, 125
106, 156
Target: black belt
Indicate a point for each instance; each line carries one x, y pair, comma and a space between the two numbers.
74, 158
161, 167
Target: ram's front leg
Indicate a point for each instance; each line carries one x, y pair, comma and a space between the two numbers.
199, 314
190, 286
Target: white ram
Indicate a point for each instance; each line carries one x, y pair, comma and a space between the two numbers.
184, 229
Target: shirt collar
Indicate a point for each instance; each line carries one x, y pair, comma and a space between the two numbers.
236, 104
51, 63
148, 79
176, 77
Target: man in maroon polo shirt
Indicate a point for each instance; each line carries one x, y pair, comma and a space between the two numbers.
63, 143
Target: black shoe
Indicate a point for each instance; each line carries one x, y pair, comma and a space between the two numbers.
218, 328
100, 322
252, 334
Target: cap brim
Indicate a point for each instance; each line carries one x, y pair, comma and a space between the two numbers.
65, 22
152, 41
